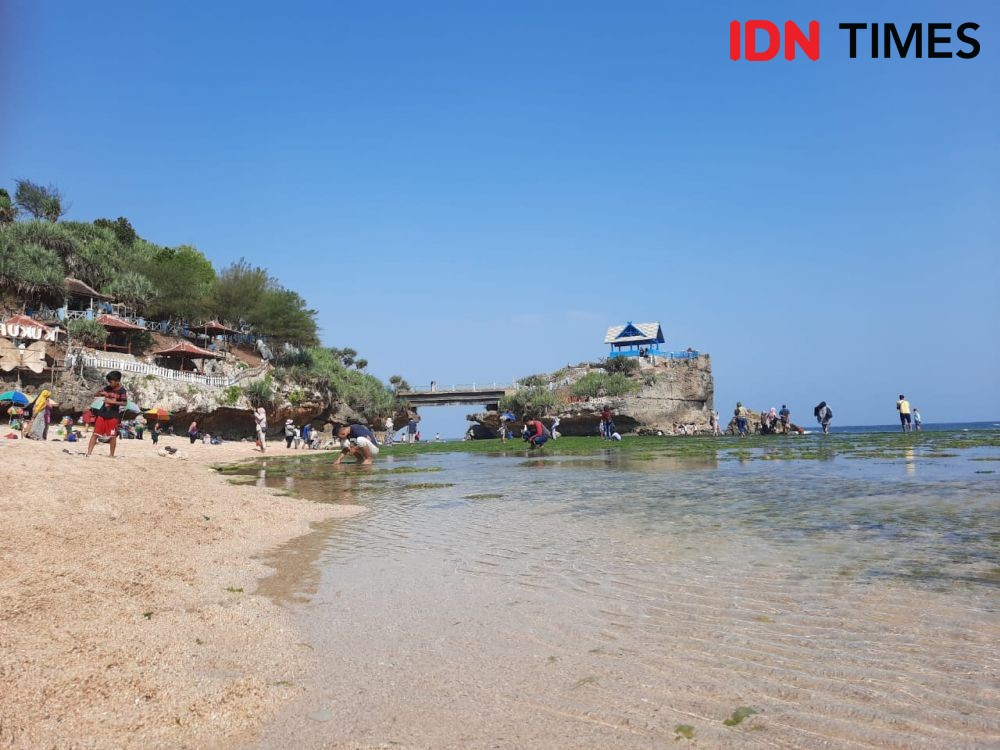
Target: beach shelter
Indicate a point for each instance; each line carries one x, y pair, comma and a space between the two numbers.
185, 351
159, 413
120, 330
24, 327
215, 328
632, 339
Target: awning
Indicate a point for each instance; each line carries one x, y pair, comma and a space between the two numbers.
215, 328
189, 351
110, 321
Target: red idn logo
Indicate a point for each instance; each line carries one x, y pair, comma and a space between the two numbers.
793, 36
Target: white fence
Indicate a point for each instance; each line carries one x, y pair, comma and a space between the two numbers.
461, 388
143, 368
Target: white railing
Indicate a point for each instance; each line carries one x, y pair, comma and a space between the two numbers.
144, 368
461, 388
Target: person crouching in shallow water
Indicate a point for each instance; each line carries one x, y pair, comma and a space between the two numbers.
358, 441
534, 433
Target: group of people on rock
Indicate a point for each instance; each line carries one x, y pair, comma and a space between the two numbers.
775, 421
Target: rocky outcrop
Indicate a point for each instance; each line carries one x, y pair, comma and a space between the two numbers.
670, 393
226, 412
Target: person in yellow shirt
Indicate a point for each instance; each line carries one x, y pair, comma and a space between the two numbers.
903, 407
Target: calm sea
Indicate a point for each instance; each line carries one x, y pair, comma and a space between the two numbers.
926, 427
837, 591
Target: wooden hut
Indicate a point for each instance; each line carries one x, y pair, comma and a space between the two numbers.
119, 333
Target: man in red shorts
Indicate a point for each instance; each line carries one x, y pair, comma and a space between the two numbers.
115, 398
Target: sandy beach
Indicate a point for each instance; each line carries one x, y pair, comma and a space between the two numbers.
127, 614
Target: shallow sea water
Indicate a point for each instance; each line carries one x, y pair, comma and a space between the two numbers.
617, 601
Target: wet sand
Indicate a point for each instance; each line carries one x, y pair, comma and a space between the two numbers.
127, 608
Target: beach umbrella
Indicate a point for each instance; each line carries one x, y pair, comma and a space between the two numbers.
158, 413
16, 397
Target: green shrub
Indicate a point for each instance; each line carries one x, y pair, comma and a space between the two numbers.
296, 397
624, 365
326, 371
87, 332
231, 395
595, 384
535, 401
534, 381
260, 392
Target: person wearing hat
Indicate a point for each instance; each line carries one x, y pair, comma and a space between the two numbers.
106, 425
289, 433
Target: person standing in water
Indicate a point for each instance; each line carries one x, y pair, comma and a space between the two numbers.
823, 414
903, 407
917, 419
741, 418
785, 416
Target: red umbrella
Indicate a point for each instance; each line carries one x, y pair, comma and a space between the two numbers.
159, 413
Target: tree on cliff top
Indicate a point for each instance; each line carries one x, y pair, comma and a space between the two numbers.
183, 277
41, 201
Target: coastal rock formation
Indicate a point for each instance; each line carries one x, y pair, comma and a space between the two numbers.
226, 412
669, 393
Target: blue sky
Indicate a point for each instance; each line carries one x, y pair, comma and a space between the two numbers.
473, 191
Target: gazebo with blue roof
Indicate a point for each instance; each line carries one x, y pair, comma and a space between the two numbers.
633, 339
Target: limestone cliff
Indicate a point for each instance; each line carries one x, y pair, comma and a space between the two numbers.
668, 393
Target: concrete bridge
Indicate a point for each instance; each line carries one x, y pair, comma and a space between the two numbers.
436, 394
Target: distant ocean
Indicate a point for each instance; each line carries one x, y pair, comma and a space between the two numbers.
926, 427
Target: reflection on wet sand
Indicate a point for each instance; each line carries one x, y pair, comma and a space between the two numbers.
296, 562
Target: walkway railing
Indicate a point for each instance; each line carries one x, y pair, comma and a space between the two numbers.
693, 354
461, 388
144, 368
